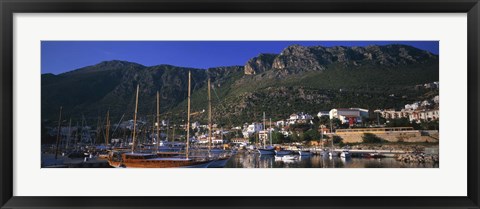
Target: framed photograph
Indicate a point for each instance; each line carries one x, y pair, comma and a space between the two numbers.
264, 104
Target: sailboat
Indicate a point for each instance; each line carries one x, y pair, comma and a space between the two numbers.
220, 156
152, 160
166, 152
332, 152
266, 150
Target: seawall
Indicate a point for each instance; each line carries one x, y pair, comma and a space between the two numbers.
393, 136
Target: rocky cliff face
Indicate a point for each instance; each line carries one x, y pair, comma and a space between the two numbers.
259, 64
297, 59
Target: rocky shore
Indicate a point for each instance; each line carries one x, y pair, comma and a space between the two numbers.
419, 158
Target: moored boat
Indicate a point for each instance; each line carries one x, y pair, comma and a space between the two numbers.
266, 151
282, 152
153, 160
373, 155
304, 153
289, 157
332, 154
345, 154
145, 160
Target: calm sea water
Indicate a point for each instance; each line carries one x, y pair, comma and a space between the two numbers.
246, 160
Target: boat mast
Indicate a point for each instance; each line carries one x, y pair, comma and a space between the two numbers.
97, 137
69, 133
158, 120
188, 114
270, 132
321, 135
76, 135
264, 128
173, 133
107, 128
331, 132
209, 118
221, 137
135, 120
58, 132
152, 133
81, 129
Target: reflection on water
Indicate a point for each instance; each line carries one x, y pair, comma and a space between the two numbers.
245, 160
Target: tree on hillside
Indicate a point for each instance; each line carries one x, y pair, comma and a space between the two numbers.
278, 137
312, 134
399, 122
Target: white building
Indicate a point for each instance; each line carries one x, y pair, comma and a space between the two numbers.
349, 115
203, 139
425, 103
426, 115
412, 106
393, 114
412, 115
280, 123
299, 118
251, 129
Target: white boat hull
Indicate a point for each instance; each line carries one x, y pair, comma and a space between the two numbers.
345, 155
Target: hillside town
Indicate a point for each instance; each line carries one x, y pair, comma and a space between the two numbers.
306, 106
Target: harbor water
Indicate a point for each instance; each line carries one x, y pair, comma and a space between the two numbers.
255, 160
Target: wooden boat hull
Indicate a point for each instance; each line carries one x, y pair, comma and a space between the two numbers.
165, 163
115, 164
167, 154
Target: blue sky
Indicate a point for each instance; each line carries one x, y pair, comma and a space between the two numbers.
62, 56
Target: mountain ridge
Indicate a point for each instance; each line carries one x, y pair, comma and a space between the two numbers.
268, 82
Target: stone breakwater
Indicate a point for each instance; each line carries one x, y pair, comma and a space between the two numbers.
418, 158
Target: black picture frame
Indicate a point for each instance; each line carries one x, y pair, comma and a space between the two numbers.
10, 7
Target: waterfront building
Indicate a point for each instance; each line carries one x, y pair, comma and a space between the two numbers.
203, 139
412, 114
393, 114
426, 115
349, 115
